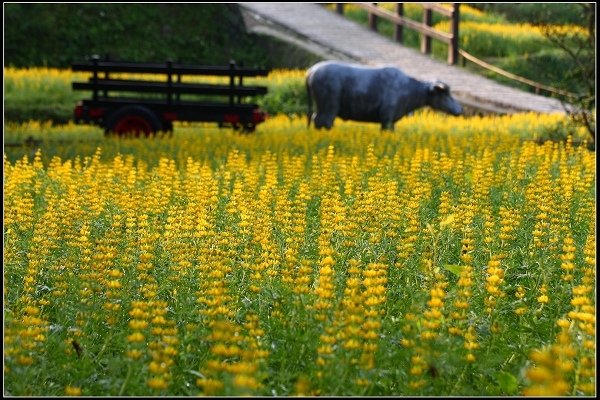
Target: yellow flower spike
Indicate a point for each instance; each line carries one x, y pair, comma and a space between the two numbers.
520, 310
136, 337
563, 323
72, 391
24, 360
134, 354
417, 384
448, 220
157, 368
370, 189
137, 324
539, 374
158, 383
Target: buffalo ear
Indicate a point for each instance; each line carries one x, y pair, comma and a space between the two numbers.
440, 87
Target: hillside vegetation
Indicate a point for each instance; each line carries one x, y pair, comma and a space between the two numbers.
199, 33
45, 94
55, 35
511, 37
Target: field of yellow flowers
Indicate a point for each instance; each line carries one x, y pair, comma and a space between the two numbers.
455, 256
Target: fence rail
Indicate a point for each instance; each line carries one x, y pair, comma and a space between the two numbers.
536, 85
424, 28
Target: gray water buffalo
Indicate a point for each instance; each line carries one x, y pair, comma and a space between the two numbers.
370, 94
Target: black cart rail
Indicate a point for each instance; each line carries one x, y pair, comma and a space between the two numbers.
151, 104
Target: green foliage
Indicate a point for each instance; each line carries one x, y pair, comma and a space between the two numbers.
59, 114
38, 96
543, 13
499, 43
44, 95
507, 382
289, 98
545, 66
56, 34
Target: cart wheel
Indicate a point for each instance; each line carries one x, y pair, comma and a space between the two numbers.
167, 128
133, 120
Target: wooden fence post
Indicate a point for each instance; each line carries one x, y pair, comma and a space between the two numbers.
425, 39
373, 20
453, 50
424, 28
339, 8
397, 27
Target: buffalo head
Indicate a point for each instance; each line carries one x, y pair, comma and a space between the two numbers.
439, 98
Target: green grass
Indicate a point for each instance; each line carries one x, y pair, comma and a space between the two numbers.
44, 94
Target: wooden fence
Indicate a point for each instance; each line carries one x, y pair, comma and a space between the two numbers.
424, 28
536, 85
427, 33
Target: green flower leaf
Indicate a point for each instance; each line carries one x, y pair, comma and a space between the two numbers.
455, 269
507, 382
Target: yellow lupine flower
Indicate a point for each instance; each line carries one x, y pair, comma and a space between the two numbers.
72, 391
134, 354
543, 299
136, 337
170, 229
157, 383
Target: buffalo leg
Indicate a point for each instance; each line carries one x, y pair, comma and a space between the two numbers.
387, 126
324, 121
